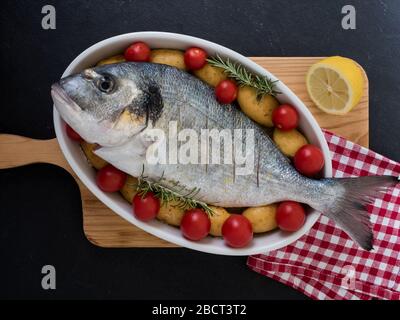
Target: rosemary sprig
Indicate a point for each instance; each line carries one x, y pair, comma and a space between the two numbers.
243, 77
233, 70
185, 199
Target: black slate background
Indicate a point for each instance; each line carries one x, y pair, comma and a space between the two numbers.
40, 210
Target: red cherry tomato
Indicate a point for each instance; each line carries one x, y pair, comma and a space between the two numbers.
72, 134
195, 58
237, 231
147, 207
138, 51
110, 179
195, 224
285, 117
290, 216
309, 160
226, 91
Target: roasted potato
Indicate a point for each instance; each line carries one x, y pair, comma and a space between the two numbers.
171, 213
289, 141
262, 219
128, 191
94, 160
259, 110
113, 59
217, 220
210, 74
168, 56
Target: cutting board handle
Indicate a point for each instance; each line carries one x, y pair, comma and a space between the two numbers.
17, 151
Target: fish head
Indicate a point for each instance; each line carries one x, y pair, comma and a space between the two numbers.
109, 104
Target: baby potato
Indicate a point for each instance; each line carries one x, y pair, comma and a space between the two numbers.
289, 141
210, 74
259, 110
217, 220
93, 159
168, 56
113, 59
128, 191
262, 219
171, 213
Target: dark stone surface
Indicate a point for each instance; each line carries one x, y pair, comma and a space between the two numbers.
40, 208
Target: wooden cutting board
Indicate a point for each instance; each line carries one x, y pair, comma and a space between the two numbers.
105, 228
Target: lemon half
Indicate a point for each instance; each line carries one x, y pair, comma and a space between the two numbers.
335, 84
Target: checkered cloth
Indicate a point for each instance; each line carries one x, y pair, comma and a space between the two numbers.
325, 263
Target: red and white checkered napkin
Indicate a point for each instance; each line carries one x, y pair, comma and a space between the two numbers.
325, 263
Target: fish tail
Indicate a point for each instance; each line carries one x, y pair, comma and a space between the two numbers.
348, 208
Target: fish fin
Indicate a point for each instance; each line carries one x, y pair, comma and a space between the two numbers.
128, 157
349, 208
144, 149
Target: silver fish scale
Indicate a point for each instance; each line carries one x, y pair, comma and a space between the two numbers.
192, 104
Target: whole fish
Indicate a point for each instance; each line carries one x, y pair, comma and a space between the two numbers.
119, 106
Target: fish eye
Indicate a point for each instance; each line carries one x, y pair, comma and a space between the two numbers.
105, 84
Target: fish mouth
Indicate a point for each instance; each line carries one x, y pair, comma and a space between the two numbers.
61, 98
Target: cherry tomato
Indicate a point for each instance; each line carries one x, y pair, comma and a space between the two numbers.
290, 216
226, 91
110, 179
138, 51
146, 207
309, 160
285, 117
237, 231
72, 134
195, 224
195, 58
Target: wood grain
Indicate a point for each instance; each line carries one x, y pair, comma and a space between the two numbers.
103, 227
353, 126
